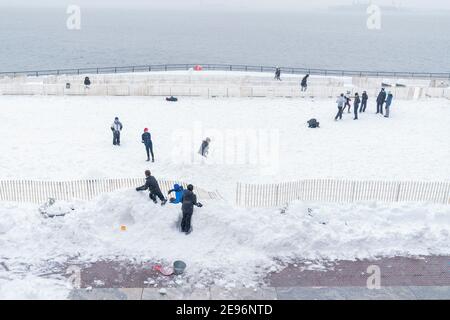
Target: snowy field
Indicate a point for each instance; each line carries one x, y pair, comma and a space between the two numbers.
253, 140
63, 138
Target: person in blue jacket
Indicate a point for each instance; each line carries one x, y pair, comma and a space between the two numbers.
147, 141
178, 193
389, 98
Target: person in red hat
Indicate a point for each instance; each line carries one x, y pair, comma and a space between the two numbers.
147, 141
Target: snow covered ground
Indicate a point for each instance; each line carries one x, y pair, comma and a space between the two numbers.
229, 247
253, 140
59, 138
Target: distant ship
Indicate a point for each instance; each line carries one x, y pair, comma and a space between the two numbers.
361, 6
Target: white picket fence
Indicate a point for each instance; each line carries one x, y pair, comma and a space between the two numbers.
40, 191
341, 191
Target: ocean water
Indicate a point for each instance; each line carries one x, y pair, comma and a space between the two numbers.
35, 39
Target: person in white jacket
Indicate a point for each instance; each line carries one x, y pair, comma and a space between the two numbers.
340, 102
116, 127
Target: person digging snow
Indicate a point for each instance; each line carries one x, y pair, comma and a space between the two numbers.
147, 141
116, 127
178, 190
189, 200
152, 185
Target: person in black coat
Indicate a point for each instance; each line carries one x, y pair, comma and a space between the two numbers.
87, 82
147, 141
152, 185
278, 73
380, 100
364, 100
304, 83
189, 200
356, 105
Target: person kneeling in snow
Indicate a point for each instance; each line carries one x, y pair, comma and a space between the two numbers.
189, 200
178, 193
152, 185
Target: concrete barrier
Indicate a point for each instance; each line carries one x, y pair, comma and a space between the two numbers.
215, 85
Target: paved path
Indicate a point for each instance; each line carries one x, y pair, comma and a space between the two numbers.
401, 278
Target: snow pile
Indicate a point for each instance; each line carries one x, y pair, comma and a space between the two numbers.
30, 287
229, 246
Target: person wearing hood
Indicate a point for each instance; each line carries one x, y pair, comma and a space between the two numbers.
178, 190
304, 83
340, 102
189, 200
389, 98
116, 127
152, 184
364, 100
147, 141
380, 100
356, 105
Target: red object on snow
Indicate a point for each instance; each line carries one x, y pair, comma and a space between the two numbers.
146, 129
198, 68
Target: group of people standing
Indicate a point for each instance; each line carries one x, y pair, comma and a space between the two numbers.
360, 103
117, 127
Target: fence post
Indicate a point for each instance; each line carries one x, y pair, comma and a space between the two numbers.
398, 192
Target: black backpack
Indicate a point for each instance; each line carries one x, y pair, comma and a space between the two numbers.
313, 123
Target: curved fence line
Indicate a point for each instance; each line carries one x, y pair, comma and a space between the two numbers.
228, 67
341, 191
39, 191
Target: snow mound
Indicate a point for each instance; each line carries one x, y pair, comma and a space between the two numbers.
229, 246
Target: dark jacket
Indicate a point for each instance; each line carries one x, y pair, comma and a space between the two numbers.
188, 200
357, 101
381, 97
304, 81
146, 138
150, 184
389, 99
87, 82
365, 97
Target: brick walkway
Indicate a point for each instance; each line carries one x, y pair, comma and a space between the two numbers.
401, 278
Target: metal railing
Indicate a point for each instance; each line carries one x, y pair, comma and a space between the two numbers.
228, 67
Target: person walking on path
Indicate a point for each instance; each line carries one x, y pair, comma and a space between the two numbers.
388, 103
356, 106
87, 83
116, 127
189, 200
364, 100
304, 83
340, 103
380, 100
152, 185
147, 141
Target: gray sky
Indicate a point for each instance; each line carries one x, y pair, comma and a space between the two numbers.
220, 4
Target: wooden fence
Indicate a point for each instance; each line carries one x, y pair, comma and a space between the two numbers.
341, 191
40, 191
